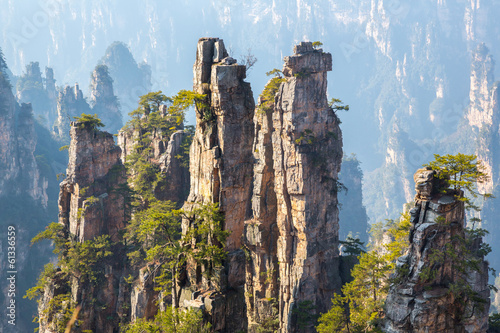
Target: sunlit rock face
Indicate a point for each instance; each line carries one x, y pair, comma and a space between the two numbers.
307, 144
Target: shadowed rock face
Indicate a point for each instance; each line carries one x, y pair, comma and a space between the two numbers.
307, 144
103, 100
418, 303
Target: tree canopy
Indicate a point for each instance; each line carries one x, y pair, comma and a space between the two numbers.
88, 121
463, 173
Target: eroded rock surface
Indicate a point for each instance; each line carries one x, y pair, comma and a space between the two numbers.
221, 164
90, 202
307, 144
422, 299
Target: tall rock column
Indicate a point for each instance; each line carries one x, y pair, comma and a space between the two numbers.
221, 153
427, 296
307, 144
261, 232
221, 164
92, 203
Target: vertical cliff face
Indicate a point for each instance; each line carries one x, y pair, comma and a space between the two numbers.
89, 202
167, 154
103, 100
221, 153
221, 165
92, 203
18, 140
70, 103
39, 91
23, 199
482, 114
261, 231
307, 144
428, 295
353, 218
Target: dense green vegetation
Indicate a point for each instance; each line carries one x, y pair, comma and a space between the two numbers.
360, 306
171, 320
88, 121
266, 98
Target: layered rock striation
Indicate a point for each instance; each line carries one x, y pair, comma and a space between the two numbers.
221, 163
437, 288
90, 202
307, 144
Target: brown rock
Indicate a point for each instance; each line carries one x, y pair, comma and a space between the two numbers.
421, 303
307, 144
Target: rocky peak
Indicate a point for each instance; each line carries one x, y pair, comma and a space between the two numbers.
90, 203
103, 100
70, 103
307, 144
221, 153
221, 165
18, 168
50, 83
422, 299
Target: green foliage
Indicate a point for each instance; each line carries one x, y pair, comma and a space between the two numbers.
317, 44
60, 309
55, 233
494, 323
84, 260
304, 312
185, 146
463, 174
336, 319
360, 306
171, 320
353, 246
270, 324
276, 72
87, 121
66, 147
44, 279
206, 230
306, 137
337, 105
266, 104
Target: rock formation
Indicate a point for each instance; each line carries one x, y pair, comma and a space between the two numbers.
25, 201
353, 218
274, 174
39, 91
103, 100
70, 104
19, 171
90, 203
261, 232
166, 153
433, 276
307, 144
221, 165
